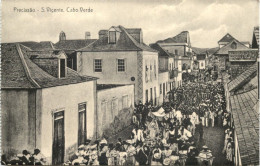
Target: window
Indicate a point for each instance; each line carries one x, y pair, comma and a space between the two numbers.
62, 68
146, 95
201, 64
234, 45
115, 107
155, 101
146, 72
82, 124
98, 65
151, 94
104, 112
151, 69
125, 101
120, 65
160, 88
155, 69
112, 37
166, 86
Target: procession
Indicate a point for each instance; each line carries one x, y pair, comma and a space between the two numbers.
171, 134
130, 83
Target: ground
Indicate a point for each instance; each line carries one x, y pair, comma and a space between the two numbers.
213, 138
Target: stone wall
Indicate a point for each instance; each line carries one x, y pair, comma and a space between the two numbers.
236, 68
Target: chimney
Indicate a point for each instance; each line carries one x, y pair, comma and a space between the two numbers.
62, 36
87, 35
102, 33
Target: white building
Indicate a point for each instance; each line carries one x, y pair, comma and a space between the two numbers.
44, 104
119, 56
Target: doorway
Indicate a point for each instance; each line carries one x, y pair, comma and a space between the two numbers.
58, 140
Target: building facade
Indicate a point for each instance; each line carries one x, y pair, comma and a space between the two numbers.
51, 111
119, 56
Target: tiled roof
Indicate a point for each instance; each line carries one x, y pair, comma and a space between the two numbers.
39, 46
227, 38
125, 43
162, 52
256, 33
73, 44
182, 37
133, 30
13, 73
243, 78
246, 121
224, 50
18, 71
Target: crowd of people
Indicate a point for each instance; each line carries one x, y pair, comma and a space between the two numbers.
167, 135
170, 139
25, 158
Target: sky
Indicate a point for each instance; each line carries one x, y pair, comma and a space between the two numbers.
206, 20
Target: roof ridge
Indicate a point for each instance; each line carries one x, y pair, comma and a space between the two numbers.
27, 72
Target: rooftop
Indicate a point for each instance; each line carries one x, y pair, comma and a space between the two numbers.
227, 38
182, 37
243, 78
228, 47
126, 42
38, 46
246, 121
162, 52
73, 44
19, 72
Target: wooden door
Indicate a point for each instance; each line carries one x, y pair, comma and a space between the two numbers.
82, 131
58, 140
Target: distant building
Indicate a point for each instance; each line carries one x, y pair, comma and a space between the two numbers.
119, 56
70, 46
180, 45
255, 40
227, 43
202, 60
44, 104
168, 71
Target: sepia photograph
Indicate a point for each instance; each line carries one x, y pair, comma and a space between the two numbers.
129, 82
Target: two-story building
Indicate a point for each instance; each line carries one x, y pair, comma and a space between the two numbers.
169, 67
44, 104
119, 56
227, 43
180, 45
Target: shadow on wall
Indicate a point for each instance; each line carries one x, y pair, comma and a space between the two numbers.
121, 121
